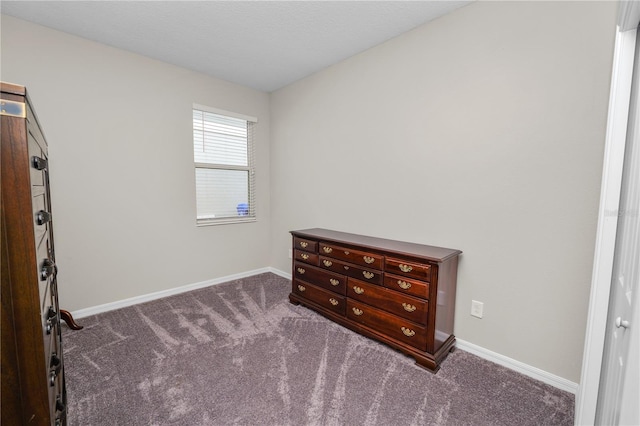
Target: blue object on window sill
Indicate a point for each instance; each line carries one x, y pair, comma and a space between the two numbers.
243, 209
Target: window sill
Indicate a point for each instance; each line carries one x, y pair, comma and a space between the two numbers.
224, 221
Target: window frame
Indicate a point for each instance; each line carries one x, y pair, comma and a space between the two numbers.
250, 168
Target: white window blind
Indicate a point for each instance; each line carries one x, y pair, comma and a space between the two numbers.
225, 175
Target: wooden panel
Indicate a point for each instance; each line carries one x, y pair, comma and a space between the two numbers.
357, 257
10, 397
408, 307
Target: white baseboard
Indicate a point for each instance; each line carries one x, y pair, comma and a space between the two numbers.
495, 357
283, 274
170, 292
520, 367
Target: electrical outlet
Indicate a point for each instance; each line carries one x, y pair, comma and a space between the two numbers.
290, 253
477, 309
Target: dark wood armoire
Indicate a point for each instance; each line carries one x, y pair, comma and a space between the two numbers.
32, 367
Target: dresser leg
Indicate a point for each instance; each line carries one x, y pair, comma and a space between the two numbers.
68, 318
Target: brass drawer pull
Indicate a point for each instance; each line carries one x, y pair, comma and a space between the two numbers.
409, 308
405, 268
327, 263
38, 163
305, 256
346, 252
301, 287
304, 244
368, 275
368, 259
47, 269
51, 317
43, 217
301, 271
54, 361
333, 301
327, 249
346, 268
408, 332
60, 406
404, 285
358, 290
53, 374
334, 282
357, 311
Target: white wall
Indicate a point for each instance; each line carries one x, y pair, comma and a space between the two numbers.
481, 131
122, 177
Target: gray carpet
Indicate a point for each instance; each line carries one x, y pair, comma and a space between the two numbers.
240, 354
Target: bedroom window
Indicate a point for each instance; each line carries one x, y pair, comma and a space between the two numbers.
224, 166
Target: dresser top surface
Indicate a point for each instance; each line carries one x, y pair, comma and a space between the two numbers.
14, 89
436, 254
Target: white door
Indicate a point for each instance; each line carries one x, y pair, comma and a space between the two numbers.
619, 374
629, 406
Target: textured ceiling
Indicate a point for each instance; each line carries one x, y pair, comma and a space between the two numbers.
265, 45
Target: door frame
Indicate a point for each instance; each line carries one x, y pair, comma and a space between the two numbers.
620, 94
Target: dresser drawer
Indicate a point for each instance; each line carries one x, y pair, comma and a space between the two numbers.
390, 325
55, 382
319, 296
304, 244
368, 275
41, 217
53, 368
46, 296
408, 307
420, 271
49, 339
328, 280
43, 246
407, 285
50, 325
43, 261
306, 257
357, 257
37, 176
52, 350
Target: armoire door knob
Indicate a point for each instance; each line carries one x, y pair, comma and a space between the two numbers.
620, 323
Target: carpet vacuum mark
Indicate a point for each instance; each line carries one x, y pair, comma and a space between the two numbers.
240, 354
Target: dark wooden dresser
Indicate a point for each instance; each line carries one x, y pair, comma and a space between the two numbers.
32, 368
399, 293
